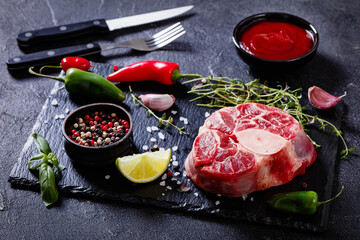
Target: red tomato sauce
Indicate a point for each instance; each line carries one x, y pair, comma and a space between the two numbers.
276, 40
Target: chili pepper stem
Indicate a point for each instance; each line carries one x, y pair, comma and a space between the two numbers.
48, 66
176, 75
31, 71
337, 195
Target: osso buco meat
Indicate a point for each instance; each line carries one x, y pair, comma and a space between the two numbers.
248, 148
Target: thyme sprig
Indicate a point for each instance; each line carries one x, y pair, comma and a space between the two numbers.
224, 91
163, 120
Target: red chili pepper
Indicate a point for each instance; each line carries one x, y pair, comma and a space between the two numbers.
71, 62
75, 62
163, 72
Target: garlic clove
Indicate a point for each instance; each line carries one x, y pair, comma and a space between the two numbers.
158, 102
321, 99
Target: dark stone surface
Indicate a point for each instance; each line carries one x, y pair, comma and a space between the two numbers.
206, 49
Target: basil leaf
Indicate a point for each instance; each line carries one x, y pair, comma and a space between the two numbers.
41, 143
38, 157
49, 193
53, 160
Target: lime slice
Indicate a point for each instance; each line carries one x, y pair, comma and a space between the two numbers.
144, 167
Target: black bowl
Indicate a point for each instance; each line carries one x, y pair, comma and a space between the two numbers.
101, 155
255, 61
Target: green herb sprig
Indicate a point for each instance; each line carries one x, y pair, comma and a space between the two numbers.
223, 91
163, 120
45, 160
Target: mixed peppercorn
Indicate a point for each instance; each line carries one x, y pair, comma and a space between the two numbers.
98, 129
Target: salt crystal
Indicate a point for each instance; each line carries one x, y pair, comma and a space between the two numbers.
107, 177
145, 147
161, 136
252, 199
46, 121
175, 148
181, 119
56, 117
67, 110
184, 174
178, 182
61, 116
174, 158
152, 139
168, 187
186, 122
176, 173
154, 128
54, 102
162, 183
148, 129
163, 194
173, 179
196, 194
164, 176
173, 112
207, 114
217, 202
175, 163
244, 197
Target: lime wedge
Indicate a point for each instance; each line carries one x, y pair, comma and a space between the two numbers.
144, 167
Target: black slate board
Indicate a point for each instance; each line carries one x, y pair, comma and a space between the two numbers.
107, 183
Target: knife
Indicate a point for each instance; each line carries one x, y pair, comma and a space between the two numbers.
28, 38
55, 55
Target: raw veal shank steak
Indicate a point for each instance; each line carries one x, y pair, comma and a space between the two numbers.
248, 148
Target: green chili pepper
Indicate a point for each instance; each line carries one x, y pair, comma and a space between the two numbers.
302, 202
87, 83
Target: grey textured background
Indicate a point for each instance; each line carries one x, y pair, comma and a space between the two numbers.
206, 49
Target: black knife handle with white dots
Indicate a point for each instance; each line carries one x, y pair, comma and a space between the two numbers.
51, 56
62, 32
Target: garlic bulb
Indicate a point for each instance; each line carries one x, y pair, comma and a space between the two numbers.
321, 99
158, 102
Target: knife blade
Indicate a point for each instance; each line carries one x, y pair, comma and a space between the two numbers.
63, 32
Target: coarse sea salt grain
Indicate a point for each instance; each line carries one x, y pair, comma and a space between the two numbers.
175, 148
152, 139
168, 187
56, 117
196, 194
174, 157
184, 174
162, 183
154, 128
107, 177
61, 116
145, 147
173, 112
175, 163
244, 197
173, 179
176, 173
148, 129
252, 199
178, 182
217, 202
54, 102
161, 135
181, 119
164, 176
186, 122
207, 114
67, 110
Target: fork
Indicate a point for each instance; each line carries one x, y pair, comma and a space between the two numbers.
155, 42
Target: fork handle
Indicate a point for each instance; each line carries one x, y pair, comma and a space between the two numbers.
62, 32
51, 56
